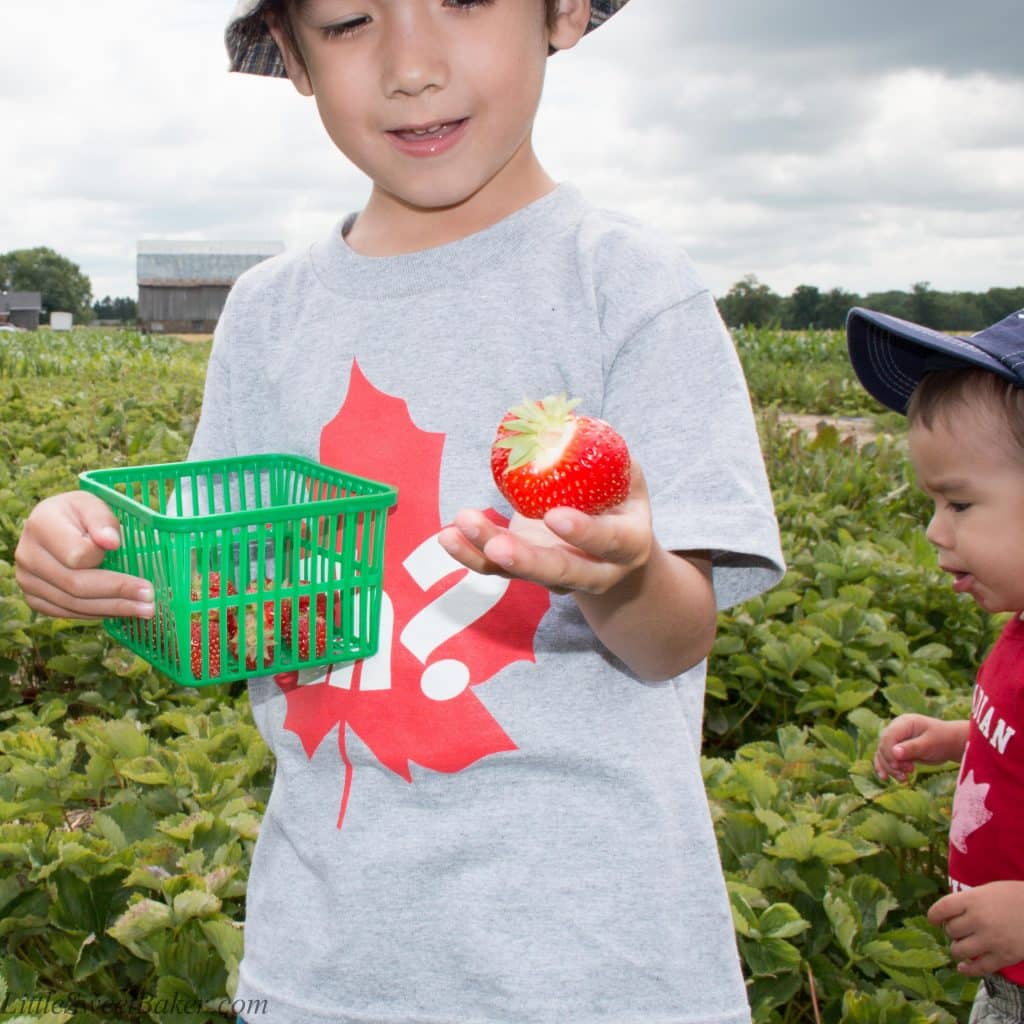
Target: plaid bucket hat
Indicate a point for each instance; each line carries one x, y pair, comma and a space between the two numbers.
890, 355
252, 49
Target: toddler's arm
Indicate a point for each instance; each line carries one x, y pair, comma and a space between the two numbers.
55, 563
652, 608
909, 739
984, 924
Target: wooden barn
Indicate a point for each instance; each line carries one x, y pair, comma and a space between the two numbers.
183, 284
22, 309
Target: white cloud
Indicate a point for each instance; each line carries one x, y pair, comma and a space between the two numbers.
865, 148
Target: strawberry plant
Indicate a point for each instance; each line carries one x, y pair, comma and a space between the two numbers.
129, 805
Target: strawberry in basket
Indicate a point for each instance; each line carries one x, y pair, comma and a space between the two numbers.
210, 630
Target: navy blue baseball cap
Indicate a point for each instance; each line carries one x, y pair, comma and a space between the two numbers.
890, 355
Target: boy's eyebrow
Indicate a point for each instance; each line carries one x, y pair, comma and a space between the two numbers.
944, 484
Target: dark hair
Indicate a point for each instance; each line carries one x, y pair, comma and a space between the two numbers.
941, 393
281, 11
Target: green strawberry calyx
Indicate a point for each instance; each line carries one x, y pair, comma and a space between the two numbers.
537, 432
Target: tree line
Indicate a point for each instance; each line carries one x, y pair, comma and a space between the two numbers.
752, 303
62, 285
749, 302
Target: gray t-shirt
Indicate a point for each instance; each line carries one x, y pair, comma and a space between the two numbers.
492, 820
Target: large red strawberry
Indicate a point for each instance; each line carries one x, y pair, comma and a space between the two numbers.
319, 626
545, 456
210, 629
246, 639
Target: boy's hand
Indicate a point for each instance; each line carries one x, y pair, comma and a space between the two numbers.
63, 541
566, 551
909, 739
985, 926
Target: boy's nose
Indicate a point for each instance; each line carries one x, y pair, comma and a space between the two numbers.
937, 532
414, 58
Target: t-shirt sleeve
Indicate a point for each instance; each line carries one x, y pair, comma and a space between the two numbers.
214, 437
676, 391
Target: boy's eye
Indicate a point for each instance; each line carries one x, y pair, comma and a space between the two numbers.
959, 506
344, 28
465, 5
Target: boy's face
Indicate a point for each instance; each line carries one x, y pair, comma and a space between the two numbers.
433, 99
965, 463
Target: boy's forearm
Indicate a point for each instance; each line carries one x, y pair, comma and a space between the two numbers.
660, 620
960, 730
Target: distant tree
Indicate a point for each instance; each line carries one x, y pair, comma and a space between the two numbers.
124, 309
749, 303
803, 308
835, 304
892, 302
925, 306
998, 303
61, 283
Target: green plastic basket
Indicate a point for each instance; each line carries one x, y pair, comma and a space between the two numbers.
260, 564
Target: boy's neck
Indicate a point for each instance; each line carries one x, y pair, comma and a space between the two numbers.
389, 226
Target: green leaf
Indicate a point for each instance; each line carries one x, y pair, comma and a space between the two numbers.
888, 830
906, 948
138, 924
794, 844
769, 956
195, 903
782, 921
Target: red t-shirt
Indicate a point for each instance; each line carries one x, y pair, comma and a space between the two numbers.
986, 834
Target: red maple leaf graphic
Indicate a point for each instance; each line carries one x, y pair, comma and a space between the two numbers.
443, 629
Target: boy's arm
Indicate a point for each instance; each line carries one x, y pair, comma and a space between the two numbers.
653, 609
56, 562
660, 619
984, 926
912, 738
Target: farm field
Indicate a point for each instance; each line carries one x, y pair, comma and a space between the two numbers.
129, 806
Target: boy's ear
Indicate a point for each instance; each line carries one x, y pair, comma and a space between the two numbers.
293, 62
571, 21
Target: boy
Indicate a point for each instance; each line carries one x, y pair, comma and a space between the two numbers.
964, 403
509, 824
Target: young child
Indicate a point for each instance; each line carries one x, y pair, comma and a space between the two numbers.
508, 822
964, 401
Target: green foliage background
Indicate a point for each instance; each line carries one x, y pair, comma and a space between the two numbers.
60, 282
129, 806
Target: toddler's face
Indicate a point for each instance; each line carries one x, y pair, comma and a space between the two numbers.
433, 99
965, 463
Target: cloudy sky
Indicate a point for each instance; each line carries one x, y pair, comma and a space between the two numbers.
866, 146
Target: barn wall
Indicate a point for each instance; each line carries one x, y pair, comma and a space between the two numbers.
182, 309
27, 318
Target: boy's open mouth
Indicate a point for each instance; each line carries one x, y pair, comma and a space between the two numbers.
426, 133
428, 140
961, 581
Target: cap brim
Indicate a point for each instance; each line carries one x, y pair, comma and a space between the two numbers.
252, 50
890, 356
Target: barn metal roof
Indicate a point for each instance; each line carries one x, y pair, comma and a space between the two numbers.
187, 262
10, 301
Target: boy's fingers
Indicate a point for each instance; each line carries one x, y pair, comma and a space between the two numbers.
555, 567
87, 594
86, 533
945, 908
982, 965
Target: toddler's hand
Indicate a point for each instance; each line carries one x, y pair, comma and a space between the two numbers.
63, 542
909, 739
984, 925
566, 551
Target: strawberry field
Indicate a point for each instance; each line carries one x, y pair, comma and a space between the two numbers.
129, 805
